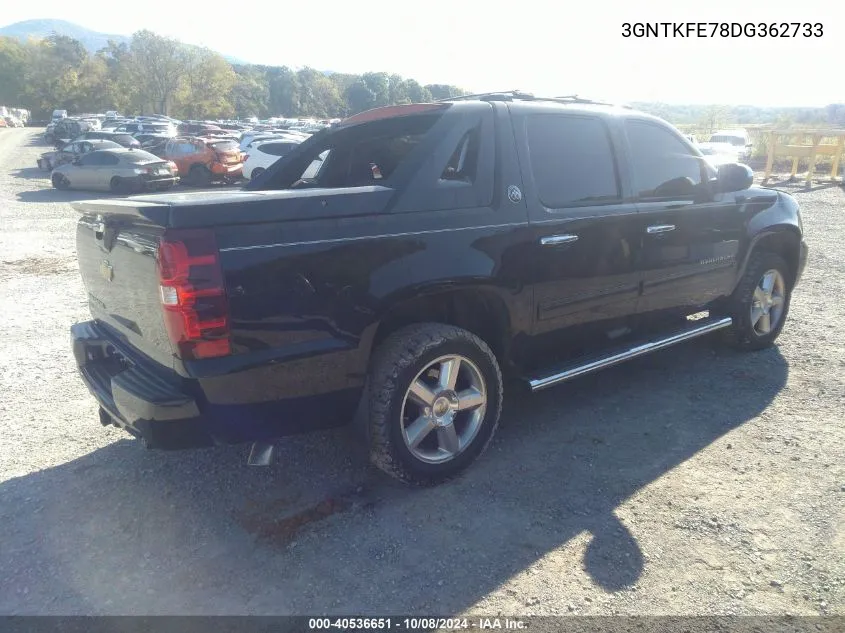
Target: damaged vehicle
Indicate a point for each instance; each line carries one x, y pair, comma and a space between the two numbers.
390, 271
71, 151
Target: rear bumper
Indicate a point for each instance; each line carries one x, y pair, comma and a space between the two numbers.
147, 400
220, 170
226, 406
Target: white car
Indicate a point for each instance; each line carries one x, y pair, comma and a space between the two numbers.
262, 155
250, 138
738, 140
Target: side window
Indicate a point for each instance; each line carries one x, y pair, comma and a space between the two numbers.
463, 164
571, 160
316, 165
109, 159
663, 166
90, 159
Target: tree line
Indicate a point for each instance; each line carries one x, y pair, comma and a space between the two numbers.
710, 118
153, 74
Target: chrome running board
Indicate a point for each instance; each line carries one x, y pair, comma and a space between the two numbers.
620, 355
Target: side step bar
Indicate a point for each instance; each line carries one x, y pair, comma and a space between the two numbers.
574, 370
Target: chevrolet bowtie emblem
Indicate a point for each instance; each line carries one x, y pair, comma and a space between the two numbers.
106, 270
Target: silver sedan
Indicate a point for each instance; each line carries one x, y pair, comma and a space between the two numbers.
118, 170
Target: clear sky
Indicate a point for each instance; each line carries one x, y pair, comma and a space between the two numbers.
546, 47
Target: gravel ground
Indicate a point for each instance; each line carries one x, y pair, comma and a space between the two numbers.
694, 481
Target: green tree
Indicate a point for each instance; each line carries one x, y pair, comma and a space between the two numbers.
158, 66
13, 68
379, 85
284, 91
207, 86
359, 97
251, 94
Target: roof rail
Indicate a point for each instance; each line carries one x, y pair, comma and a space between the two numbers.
505, 95
517, 95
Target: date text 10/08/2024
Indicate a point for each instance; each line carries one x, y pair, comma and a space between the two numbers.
411, 624
722, 29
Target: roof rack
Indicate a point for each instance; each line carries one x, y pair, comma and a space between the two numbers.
518, 95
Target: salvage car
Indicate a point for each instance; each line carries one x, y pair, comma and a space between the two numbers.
73, 150
435, 248
202, 161
117, 170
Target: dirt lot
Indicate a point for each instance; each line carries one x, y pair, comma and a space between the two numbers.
694, 481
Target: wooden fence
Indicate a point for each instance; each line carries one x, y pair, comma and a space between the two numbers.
809, 144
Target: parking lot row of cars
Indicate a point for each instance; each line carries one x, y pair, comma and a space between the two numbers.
110, 152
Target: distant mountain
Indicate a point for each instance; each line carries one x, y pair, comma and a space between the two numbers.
91, 40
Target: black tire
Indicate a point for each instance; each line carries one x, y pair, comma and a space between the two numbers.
396, 363
199, 176
742, 334
116, 184
256, 173
60, 182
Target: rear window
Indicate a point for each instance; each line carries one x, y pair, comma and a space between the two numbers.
571, 160
140, 156
722, 138
360, 155
223, 146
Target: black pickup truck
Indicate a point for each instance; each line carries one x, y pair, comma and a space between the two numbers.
393, 267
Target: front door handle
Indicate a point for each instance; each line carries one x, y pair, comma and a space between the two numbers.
660, 228
556, 240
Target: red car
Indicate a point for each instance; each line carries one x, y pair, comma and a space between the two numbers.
202, 161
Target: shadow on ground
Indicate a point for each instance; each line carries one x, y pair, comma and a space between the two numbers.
122, 530
799, 185
32, 173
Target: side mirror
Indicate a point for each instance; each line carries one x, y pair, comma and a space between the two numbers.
734, 177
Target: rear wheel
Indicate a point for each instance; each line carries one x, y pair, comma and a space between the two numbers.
60, 181
116, 184
199, 176
434, 400
256, 173
760, 303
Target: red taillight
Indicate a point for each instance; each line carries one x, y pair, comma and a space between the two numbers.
193, 295
246, 157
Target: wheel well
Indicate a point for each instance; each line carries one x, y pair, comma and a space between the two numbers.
787, 244
478, 311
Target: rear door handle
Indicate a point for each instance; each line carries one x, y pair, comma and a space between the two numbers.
660, 228
555, 240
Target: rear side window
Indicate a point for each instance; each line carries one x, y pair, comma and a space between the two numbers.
571, 160
663, 165
463, 165
276, 149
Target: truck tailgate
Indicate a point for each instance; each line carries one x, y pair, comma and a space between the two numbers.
117, 243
